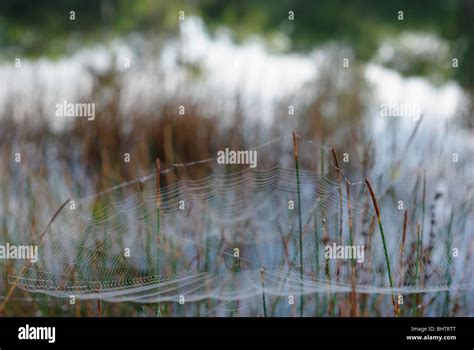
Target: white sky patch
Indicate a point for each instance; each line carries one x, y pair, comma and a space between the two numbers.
438, 102
247, 69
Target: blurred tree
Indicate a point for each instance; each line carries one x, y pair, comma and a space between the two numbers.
360, 24
45, 28
33, 28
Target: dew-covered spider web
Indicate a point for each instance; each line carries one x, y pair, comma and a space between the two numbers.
232, 232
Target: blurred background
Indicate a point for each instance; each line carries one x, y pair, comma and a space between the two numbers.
180, 80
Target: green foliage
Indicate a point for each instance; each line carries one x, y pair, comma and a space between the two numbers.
360, 24
33, 29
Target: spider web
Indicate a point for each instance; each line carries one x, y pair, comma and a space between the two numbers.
234, 233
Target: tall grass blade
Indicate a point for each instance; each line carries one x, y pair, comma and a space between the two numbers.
298, 189
389, 272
